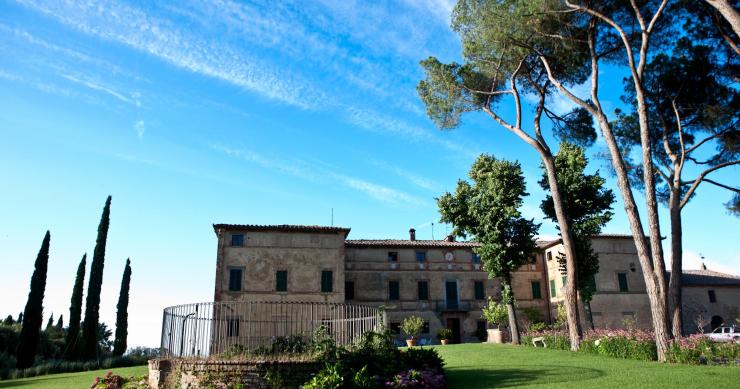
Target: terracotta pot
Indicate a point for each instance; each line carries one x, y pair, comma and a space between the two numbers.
496, 336
411, 342
445, 341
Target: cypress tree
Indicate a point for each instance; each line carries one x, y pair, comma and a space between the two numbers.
20, 318
50, 323
9, 320
33, 313
119, 344
92, 303
75, 312
60, 323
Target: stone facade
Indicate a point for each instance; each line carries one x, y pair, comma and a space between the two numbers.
440, 280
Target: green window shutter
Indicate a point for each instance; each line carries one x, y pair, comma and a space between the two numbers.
552, 288
536, 292
480, 293
423, 290
281, 278
393, 293
326, 281
622, 278
235, 280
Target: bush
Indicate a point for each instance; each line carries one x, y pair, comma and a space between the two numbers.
417, 379
412, 326
495, 313
328, 378
697, 349
422, 358
444, 334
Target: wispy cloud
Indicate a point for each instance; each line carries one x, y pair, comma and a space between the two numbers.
421, 182
140, 128
306, 171
209, 56
99, 87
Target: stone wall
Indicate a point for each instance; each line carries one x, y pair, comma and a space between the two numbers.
192, 374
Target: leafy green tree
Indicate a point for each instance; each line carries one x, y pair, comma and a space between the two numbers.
33, 313
488, 212
119, 344
92, 303
588, 207
500, 64
75, 313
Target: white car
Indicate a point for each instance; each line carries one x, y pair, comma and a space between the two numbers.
725, 334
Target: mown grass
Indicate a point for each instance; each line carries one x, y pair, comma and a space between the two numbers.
471, 366
71, 380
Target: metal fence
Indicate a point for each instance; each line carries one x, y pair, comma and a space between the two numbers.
206, 329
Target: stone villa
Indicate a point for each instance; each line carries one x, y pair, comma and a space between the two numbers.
440, 280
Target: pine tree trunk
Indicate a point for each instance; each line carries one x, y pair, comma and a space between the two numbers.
571, 295
658, 309
513, 326
33, 312
674, 287
728, 12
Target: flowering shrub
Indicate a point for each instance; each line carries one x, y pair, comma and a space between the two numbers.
632, 344
412, 378
554, 338
697, 349
109, 381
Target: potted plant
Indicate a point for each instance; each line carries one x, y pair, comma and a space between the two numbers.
496, 315
444, 335
412, 326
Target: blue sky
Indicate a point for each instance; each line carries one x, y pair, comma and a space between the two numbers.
249, 112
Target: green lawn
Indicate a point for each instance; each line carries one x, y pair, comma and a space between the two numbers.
471, 366
71, 380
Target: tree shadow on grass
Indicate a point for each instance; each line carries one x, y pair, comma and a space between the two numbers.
471, 378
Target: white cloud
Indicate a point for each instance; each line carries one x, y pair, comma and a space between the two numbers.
162, 39
378, 192
140, 128
421, 182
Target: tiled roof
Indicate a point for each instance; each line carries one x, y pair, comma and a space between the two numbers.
707, 278
281, 227
406, 243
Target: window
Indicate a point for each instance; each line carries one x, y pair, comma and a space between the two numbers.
395, 328
233, 328
237, 240
712, 296
565, 281
476, 258
549, 255
393, 290
421, 256
536, 292
392, 256
622, 279
479, 291
423, 290
327, 285
281, 281
425, 329
349, 290
552, 288
235, 279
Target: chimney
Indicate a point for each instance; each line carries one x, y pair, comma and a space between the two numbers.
703, 266
412, 234
449, 238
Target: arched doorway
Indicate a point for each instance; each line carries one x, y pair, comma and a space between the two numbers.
716, 322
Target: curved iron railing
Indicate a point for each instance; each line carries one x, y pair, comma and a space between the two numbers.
207, 329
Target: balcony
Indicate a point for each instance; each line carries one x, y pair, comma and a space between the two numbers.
453, 306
